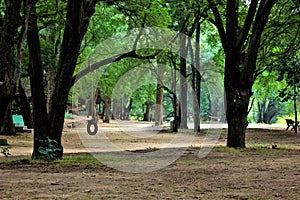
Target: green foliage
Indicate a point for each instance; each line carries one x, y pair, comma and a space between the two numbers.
145, 13
140, 97
51, 20
280, 47
266, 94
48, 150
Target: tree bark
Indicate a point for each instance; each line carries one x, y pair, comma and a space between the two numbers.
50, 87
175, 126
7, 64
39, 111
198, 74
183, 83
159, 105
115, 113
295, 99
147, 114
126, 110
77, 21
107, 101
261, 109
196, 103
24, 106
241, 49
7, 126
51, 125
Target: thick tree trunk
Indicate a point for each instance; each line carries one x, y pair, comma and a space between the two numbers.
147, 114
237, 95
271, 112
77, 21
115, 113
6, 126
183, 84
237, 125
196, 103
240, 61
7, 64
39, 111
67, 62
260, 111
126, 110
237, 102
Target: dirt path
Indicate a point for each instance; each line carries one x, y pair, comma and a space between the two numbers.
252, 173
130, 135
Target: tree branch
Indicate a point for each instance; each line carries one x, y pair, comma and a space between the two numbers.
130, 54
259, 23
27, 7
247, 23
218, 22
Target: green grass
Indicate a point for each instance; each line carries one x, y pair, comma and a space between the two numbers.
78, 159
67, 159
229, 149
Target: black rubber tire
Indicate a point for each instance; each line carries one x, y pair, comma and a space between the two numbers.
89, 125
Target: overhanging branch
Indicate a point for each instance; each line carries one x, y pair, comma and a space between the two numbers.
95, 66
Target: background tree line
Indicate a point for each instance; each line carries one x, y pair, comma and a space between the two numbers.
254, 46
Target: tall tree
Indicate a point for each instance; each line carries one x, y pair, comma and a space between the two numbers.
7, 64
240, 41
50, 125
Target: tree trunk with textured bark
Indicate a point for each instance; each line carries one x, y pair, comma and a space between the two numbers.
159, 105
241, 45
51, 125
115, 110
126, 110
147, 114
107, 102
7, 64
50, 87
183, 83
39, 110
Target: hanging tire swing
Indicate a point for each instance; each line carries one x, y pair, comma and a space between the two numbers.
92, 127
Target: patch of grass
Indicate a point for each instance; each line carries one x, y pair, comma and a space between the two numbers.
17, 160
78, 159
228, 149
191, 160
68, 159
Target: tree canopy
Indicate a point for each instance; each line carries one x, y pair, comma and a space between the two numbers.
190, 49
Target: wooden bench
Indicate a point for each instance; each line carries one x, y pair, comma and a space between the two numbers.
291, 123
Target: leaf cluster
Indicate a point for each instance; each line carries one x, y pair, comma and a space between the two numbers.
48, 150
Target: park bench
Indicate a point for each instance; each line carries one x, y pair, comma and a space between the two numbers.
291, 123
19, 124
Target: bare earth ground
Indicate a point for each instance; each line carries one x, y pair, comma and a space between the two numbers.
257, 172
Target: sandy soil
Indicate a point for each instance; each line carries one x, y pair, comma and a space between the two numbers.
257, 172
